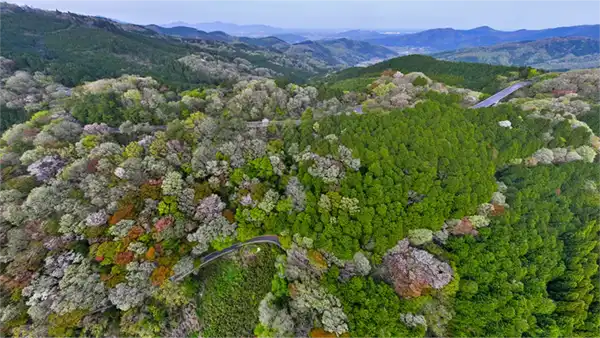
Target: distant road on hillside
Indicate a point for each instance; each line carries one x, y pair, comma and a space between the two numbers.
494, 99
490, 101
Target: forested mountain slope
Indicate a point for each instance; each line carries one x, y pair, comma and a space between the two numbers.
75, 48
419, 217
334, 52
290, 37
476, 76
553, 53
353, 52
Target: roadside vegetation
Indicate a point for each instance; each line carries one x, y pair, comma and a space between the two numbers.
232, 290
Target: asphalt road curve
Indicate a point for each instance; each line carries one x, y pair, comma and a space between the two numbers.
271, 239
494, 99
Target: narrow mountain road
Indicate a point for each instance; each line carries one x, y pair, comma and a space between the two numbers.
490, 101
494, 99
270, 239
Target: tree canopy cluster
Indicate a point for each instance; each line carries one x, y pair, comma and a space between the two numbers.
534, 271
477, 76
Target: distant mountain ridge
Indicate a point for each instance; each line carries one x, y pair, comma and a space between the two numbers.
444, 39
291, 35
550, 53
427, 41
189, 32
340, 51
256, 30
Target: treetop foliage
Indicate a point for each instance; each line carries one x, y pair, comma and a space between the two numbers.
477, 76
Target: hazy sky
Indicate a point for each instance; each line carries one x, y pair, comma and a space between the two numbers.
508, 15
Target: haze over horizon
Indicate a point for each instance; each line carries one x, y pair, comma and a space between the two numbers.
379, 15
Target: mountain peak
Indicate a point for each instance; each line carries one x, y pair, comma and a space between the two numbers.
483, 29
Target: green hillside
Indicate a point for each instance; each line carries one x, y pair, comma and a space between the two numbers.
75, 48
480, 77
343, 51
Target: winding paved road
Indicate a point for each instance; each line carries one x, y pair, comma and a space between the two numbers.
271, 239
494, 99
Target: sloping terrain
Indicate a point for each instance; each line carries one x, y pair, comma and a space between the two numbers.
353, 52
334, 52
290, 37
267, 42
330, 53
476, 76
76, 48
552, 53
189, 32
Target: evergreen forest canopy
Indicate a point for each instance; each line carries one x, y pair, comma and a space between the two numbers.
477, 76
400, 211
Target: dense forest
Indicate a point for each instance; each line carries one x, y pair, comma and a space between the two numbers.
61, 44
393, 208
418, 217
71, 63
476, 76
